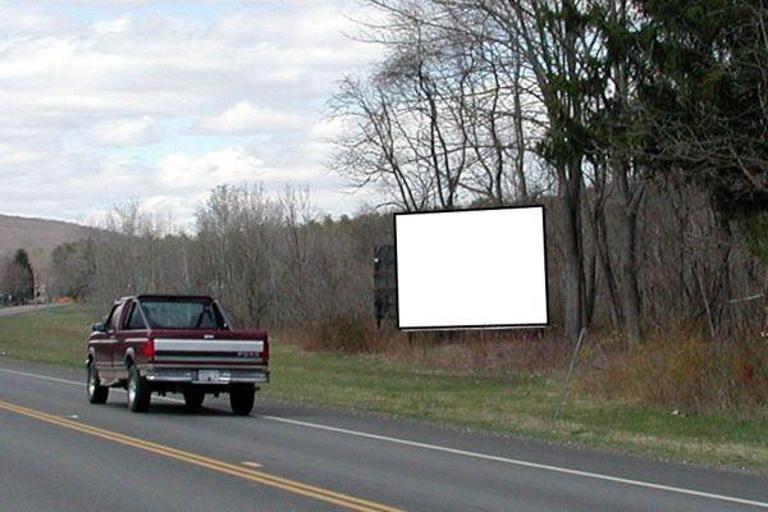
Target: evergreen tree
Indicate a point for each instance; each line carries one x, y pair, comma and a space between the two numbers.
704, 94
19, 278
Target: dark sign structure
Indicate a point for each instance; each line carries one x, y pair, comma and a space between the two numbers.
384, 284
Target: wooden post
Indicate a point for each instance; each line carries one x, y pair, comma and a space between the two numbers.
564, 394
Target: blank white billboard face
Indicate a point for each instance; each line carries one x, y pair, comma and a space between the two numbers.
471, 269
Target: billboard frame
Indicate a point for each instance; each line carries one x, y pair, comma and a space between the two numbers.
480, 326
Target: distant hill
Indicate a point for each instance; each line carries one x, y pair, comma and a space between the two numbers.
38, 236
32, 234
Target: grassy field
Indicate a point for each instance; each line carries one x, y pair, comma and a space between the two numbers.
520, 405
57, 335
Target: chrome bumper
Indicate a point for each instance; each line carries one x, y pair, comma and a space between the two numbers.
206, 376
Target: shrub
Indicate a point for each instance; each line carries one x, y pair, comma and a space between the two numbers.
347, 334
687, 374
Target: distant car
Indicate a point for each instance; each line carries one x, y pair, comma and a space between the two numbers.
175, 344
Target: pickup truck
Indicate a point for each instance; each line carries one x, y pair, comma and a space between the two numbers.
174, 344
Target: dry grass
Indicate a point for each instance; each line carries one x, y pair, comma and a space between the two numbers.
674, 371
684, 373
485, 353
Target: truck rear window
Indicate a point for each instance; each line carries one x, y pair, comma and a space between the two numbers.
181, 315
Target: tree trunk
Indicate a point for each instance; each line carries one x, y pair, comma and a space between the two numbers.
573, 268
519, 131
628, 206
603, 251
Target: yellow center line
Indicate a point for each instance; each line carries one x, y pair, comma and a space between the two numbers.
319, 493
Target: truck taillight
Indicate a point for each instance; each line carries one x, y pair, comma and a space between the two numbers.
265, 352
148, 348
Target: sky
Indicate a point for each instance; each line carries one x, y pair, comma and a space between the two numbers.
157, 101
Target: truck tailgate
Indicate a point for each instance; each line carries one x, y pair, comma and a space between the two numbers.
209, 349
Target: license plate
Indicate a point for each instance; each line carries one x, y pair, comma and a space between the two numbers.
208, 375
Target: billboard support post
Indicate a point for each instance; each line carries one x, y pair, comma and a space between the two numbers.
567, 382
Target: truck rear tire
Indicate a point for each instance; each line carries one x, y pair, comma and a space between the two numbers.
97, 394
241, 398
193, 400
139, 393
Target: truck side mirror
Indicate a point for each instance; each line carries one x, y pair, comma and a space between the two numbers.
98, 327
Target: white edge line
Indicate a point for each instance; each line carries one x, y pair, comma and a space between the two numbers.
74, 382
455, 451
523, 463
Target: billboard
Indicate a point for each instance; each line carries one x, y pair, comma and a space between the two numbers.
471, 269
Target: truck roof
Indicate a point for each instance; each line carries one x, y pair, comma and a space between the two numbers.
165, 297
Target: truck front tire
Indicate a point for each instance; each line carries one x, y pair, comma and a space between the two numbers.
241, 398
97, 394
139, 393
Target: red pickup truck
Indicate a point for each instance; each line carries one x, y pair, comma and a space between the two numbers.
175, 344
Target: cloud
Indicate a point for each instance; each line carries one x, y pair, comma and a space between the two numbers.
244, 117
231, 165
327, 129
12, 156
25, 20
115, 26
170, 211
103, 101
126, 132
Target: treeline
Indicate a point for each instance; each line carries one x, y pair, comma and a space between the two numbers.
642, 124
276, 263
272, 262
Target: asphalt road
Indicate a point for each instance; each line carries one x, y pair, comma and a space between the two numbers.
57, 452
16, 310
